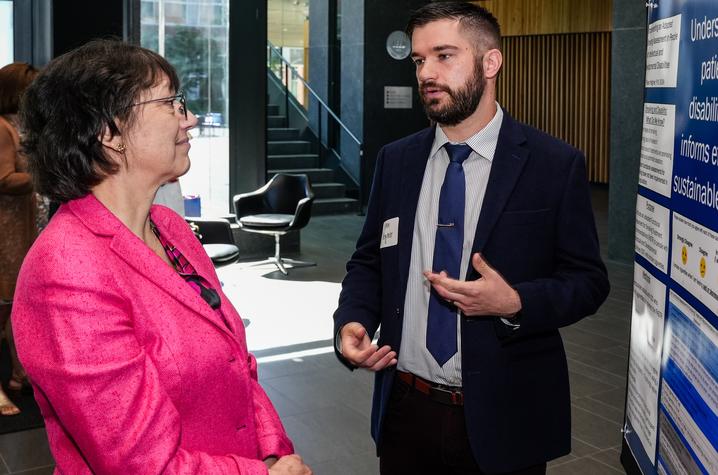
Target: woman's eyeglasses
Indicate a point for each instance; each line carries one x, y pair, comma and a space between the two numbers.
179, 97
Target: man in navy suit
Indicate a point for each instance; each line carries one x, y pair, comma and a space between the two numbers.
479, 244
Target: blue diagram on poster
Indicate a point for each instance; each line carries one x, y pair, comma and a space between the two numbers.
671, 422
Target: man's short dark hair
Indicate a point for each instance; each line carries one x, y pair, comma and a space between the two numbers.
471, 17
72, 101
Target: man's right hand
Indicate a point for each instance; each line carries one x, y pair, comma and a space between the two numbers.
359, 350
290, 465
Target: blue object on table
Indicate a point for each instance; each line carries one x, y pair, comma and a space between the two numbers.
192, 205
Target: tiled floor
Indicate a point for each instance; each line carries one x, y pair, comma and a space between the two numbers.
326, 408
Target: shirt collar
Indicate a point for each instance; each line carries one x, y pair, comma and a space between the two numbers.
482, 142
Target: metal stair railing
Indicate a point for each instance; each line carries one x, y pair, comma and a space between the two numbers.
285, 73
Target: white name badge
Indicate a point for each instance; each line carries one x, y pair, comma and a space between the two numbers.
390, 233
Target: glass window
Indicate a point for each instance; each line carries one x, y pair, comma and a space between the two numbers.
175, 12
148, 11
288, 30
194, 36
7, 54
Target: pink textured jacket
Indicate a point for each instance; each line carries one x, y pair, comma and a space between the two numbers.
133, 371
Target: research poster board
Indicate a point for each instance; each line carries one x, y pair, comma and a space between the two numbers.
671, 418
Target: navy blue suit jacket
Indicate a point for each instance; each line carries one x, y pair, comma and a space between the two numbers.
536, 227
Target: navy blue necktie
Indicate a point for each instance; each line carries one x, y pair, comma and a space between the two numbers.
441, 325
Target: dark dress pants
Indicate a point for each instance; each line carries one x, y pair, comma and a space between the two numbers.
422, 436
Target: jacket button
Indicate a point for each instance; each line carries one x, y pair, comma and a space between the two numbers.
397, 312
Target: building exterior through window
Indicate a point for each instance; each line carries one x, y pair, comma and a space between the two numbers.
194, 35
6, 39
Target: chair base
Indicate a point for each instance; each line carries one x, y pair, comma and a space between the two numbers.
281, 262
277, 259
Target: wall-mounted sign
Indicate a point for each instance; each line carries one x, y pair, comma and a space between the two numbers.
397, 97
398, 45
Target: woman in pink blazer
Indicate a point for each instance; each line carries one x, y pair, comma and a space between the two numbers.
138, 361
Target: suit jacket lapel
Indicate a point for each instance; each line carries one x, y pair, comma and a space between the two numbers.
204, 267
141, 258
413, 165
509, 160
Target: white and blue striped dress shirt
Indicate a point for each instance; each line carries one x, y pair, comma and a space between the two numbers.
413, 355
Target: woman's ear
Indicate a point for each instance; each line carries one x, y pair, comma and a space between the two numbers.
492, 62
112, 141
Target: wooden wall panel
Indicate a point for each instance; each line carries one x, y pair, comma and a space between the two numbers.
543, 17
561, 85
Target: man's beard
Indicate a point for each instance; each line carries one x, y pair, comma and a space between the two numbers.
462, 102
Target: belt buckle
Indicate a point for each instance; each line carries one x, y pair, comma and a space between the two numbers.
457, 398
448, 396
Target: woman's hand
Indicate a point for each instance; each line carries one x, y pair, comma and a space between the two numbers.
290, 465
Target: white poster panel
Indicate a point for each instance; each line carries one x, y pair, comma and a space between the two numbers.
656, 165
644, 368
652, 232
662, 52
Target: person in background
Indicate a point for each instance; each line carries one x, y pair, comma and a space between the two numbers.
138, 361
18, 211
479, 244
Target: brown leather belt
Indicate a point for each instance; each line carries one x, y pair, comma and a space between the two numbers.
450, 395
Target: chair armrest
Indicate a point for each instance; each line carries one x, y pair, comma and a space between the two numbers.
302, 213
246, 204
213, 230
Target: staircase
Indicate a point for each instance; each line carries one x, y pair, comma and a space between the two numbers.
289, 152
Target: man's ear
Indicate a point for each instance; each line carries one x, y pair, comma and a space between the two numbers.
492, 62
114, 142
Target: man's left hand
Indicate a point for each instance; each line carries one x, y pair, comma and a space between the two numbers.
489, 296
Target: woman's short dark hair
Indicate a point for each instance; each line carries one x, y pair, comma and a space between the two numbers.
472, 17
14, 79
72, 101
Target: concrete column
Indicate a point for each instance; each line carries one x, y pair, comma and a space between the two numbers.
318, 59
381, 126
628, 62
353, 58
247, 95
